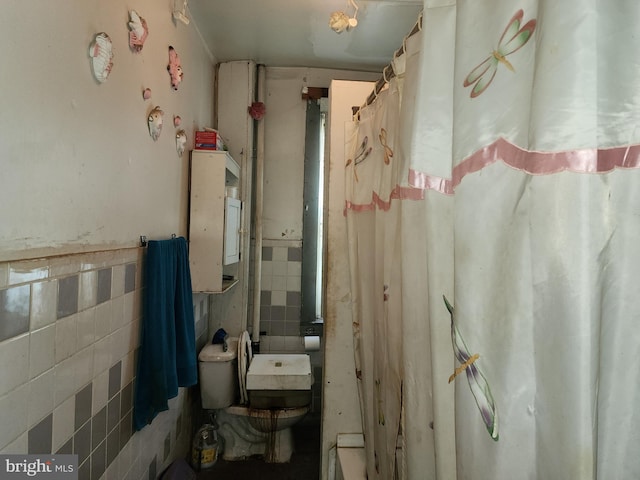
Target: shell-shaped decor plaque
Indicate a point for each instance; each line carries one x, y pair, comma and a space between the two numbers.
154, 121
101, 53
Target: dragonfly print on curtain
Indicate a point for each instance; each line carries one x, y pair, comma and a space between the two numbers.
513, 38
363, 152
477, 382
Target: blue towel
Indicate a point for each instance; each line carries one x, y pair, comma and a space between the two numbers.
167, 356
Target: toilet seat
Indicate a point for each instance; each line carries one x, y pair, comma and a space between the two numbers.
245, 356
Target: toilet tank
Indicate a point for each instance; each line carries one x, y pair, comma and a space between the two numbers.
218, 375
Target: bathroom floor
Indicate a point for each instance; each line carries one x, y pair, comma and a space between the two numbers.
304, 465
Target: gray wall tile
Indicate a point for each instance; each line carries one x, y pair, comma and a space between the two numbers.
40, 437
153, 468
126, 429
14, 311
83, 407
278, 312
167, 446
67, 448
82, 442
277, 328
84, 470
113, 413
294, 299
98, 461
129, 277
265, 297
292, 329
292, 314
267, 254
126, 399
104, 285
113, 445
294, 254
99, 428
115, 377
67, 296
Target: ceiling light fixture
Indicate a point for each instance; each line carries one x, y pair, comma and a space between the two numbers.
180, 11
340, 21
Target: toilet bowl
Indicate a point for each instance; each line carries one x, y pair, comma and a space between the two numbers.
258, 398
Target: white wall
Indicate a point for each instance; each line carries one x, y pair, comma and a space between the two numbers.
341, 408
79, 169
78, 173
284, 145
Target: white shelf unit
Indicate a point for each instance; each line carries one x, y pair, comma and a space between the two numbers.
214, 221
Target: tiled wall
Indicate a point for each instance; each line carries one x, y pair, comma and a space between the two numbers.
280, 304
69, 332
280, 296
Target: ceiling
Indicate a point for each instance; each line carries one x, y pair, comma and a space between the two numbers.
296, 33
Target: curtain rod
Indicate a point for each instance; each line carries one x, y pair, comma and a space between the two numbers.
388, 72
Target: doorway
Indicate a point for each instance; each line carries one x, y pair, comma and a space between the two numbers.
311, 317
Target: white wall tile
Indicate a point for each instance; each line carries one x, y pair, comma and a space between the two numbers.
27, 271
265, 282
294, 268
128, 313
15, 353
278, 297
117, 281
85, 328
4, 275
42, 350
13, 411
87, 296
294, 344
276, 344
280, 254
100, 392
66, 337
279, 268
124, 461
117, 313
19, 446
103, 320
278, 282
102, 355
266, 267
64, 384
63, 422
120, 344
83, 366
294, 284
112, 471
44, 298
40, 397
128, 368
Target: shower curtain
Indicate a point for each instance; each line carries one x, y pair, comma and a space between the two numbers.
494, 233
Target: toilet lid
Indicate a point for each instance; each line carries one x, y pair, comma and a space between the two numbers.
244, 360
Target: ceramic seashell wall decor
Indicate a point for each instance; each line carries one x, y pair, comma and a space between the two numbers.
177, 121
101, 53
154, 120
146, 93
174, 68
138, 31
181, 142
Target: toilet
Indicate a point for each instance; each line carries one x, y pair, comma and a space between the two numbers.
258, 398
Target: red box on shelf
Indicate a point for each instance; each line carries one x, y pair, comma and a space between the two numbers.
206, 140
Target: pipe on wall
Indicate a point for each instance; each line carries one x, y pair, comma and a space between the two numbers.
259, 181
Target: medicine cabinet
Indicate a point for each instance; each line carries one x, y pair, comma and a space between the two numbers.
214, 221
